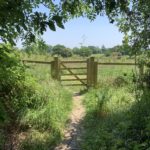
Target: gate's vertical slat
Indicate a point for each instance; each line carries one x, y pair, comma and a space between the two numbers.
92, 70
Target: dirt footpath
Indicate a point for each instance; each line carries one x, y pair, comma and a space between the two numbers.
72, 135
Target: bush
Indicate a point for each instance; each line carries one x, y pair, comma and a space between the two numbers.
83, 51
29, 106
61, 50
14, 90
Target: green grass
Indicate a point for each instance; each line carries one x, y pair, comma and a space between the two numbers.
109, 111
116, 118
38, 107
107, 117
44, 124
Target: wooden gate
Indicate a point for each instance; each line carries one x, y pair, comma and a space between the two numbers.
75, 73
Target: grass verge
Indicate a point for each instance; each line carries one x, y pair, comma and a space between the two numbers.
116, 120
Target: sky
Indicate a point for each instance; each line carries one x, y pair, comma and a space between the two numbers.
82, 31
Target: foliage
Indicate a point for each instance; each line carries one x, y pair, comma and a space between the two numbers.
25, 19
29, 104
117, 117
118, 50
95, 50
105, 122
47, 122
83, 51
12, 80
136, 24
61, 51
37, 47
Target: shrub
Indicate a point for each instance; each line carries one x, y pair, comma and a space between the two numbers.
28, 105
61, 51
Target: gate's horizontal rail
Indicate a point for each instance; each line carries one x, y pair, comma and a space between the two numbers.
73, 79
74, 84
99, 63
78, 61
74, 74
73, 68
38, 62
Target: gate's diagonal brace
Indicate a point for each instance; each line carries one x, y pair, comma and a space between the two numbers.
74, 74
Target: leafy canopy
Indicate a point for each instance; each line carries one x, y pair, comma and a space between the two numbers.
22, 18
136, 23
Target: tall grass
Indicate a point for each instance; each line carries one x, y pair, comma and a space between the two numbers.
33, 108
45, 123
107, 114
117, 116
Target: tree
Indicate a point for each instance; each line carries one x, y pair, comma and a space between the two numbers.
136, 24
94, 49
61, 50
37, 47
85, 51
50, 48
103, 49
23, 18
76, 50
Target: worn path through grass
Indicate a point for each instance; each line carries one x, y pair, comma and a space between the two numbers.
74, 130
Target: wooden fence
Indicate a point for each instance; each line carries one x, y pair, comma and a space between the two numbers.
90, 70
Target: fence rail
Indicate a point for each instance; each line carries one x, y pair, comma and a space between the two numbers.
129, 64
69, 74
38, 62
87, 78
76, 61
73, 79
73, 68
99, 63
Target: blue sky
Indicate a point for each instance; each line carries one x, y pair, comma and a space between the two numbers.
83, 31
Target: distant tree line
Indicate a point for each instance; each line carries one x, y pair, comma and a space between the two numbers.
40, 47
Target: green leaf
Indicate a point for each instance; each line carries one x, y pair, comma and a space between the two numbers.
58, 21
51, 25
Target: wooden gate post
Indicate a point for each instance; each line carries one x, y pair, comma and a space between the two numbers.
55, 69
90, 72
